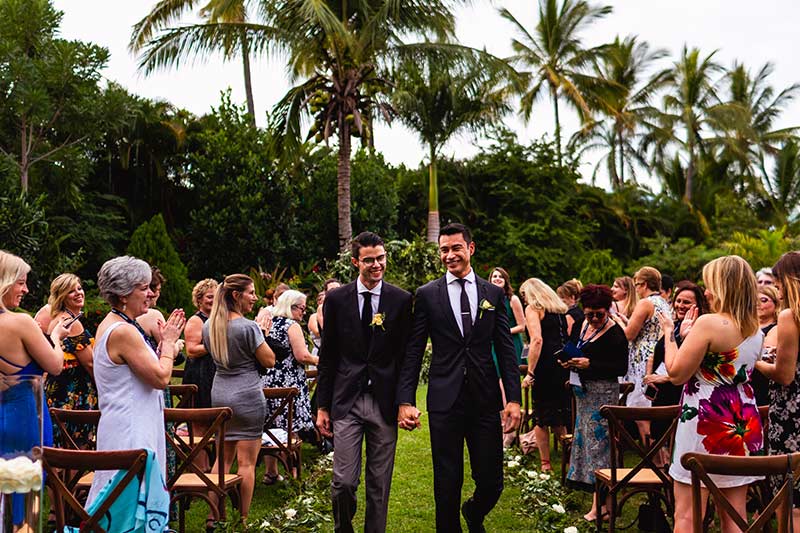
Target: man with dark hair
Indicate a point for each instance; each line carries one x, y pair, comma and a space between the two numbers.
464, 316
367, 323
666, 287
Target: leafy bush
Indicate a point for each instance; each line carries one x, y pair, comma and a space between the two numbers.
682, 259
150, 242
599, 266
763, 248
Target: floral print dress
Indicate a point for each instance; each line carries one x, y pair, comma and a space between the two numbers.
73, 388
783, 434
719, 414
641, 348
288, 373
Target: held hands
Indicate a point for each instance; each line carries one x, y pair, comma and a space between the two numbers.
408, 417
172, 329
510, 417
527, 382
324, 423
264, 320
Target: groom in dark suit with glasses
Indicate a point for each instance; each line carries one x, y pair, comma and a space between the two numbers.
464, 316
367, 323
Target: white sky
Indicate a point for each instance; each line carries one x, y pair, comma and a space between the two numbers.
751, 33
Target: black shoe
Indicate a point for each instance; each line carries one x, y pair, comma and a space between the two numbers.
473, 524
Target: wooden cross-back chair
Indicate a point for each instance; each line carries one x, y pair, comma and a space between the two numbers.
189, 481
645, 476
703, 465
289, 453
57, 463
178, 373
625, 388
183, 396
64, 417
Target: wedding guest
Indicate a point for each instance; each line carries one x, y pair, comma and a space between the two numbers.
625, 297
604, 361
316, 321
765, 276
643, 330
718, 349
153, 319
238, 347
784, 373
667, 284
569, 292
768, 306
130, 376
23, 351
514, 311
289, 370
547, 330
73, 388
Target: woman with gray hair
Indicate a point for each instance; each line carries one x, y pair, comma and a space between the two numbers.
291, 352
130, 376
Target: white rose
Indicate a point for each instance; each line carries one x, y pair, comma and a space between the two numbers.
307, 501
513, 464
20, 474
557, 507
544, 476
290, 513
532, 474
518, 458
571, 529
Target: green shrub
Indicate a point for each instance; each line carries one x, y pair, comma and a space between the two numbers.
599, 266
150, 242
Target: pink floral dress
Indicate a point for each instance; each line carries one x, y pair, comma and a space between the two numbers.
719, 413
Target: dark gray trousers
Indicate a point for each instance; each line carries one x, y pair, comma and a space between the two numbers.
363, 421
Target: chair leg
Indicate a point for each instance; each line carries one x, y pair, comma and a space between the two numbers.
181, 515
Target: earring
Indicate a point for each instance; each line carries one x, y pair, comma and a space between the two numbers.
124, 307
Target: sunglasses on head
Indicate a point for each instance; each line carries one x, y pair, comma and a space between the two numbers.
592, 315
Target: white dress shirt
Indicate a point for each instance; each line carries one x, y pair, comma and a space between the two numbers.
376, 296
454, 292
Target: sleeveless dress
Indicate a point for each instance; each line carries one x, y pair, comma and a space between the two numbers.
516, 338
73, 389
200, 371
784, 423
288, 373
640, 349
550, 396
719, 413
132, 412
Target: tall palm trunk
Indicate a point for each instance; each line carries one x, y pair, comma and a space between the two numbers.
690, 169
433, 198
554, 92
343, 186
248, 82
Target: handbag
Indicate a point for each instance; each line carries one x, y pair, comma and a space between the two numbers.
651, 518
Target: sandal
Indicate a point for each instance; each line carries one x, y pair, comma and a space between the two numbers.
271, 479
546, 466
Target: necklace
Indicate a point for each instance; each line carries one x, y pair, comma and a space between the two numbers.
135, 324
582, 341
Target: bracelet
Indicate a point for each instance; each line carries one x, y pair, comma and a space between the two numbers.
530, 374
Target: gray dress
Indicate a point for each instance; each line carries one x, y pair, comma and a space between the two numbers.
238, 386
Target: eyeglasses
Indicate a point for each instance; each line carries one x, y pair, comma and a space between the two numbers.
371, 260
639, 284
594, 315
299, 306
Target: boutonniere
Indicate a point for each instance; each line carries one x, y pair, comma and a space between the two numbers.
485, 305
377, 321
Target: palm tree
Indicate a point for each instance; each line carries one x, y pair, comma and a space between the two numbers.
438, 96
783, 183
225, 29
341, 49
625, 100
556, 52
691, 93
744, 123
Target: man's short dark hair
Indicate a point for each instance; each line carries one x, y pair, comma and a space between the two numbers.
666, 282
454, 228
328, 282
363, 240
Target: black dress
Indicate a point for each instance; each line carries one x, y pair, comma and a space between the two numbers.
577, 315
758, 381
550, 395
668, 394
200, 371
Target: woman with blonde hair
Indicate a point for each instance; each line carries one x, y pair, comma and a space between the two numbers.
625, 298
200, 367
569, 292
291, 351
718, 353
547, 332
238, 348
784, 372
73, 388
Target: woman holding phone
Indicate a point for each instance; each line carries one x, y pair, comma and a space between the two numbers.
74, 387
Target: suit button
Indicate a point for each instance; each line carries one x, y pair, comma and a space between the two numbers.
465, 371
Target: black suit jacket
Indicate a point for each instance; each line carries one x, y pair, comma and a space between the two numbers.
345, 356
454, 356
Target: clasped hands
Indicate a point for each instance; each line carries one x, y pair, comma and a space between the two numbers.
408, 417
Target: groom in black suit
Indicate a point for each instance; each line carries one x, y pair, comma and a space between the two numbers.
464, 316
367, 323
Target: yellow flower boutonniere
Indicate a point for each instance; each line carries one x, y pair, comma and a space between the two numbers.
377, 321
485, 305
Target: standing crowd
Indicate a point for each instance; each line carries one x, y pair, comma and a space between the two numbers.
719, 351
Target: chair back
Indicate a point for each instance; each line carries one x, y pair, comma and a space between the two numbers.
214, 419
621, 439
57, 463
183, 395
62, 417
178, 373
287, 396
702, 466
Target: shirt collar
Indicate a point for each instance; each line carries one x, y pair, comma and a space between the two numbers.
360, 287
469, 277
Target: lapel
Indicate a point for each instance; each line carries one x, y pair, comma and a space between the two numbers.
483, 293
378, 333
353, 314
447, 309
